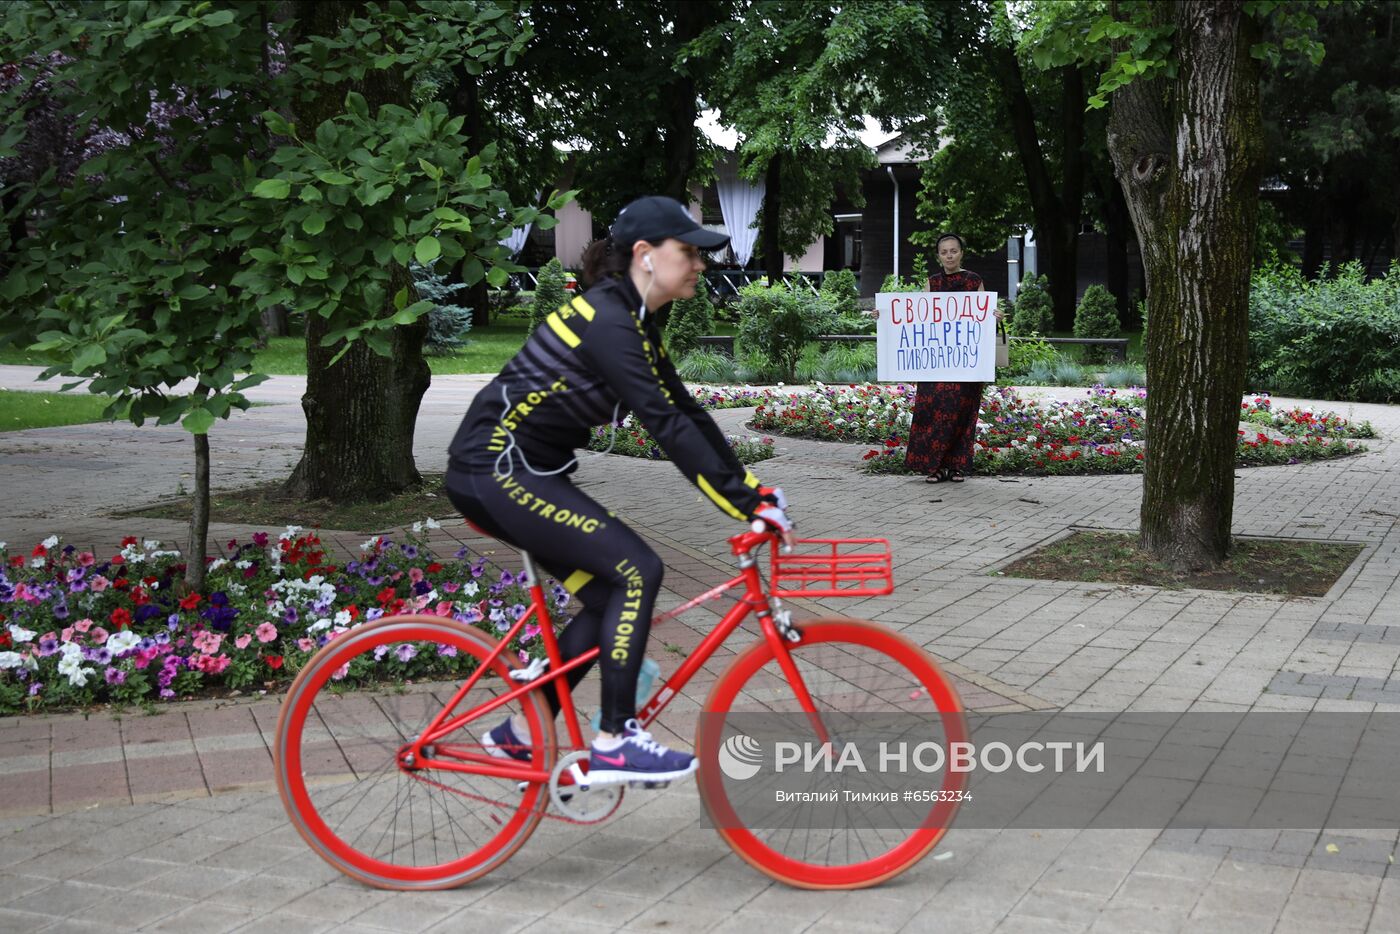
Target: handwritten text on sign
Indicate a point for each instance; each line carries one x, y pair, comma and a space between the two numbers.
936, 336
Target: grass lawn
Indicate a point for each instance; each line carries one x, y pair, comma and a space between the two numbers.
21, 410
486, 351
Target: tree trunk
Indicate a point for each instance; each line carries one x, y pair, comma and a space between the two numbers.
1056, 213
1188, 152
772, 218
199, 518
361, 412
467, 102
1119, 226
682, 104
274, 322
360, 417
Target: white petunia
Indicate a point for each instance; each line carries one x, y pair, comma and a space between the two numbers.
123, 641
342, 618
50, 541
11, 660
20, 634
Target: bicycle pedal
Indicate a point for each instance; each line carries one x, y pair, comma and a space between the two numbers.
649, 785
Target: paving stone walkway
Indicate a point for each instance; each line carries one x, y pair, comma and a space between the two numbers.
168, 822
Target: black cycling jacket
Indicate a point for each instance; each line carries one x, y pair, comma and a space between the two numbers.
589, 356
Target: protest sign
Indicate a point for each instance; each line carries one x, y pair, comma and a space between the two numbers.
936, 337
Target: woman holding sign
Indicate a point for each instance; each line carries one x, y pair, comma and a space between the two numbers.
945, 414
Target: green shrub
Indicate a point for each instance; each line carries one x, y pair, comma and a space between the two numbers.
779, 322
707, 366
1069, 373
1035, 312
894, 283
1025, 354
753, 366
1125, 376
1041, 373
549, 293
1097, 316
840, 290
690, 320
1336, 337
447, 323
847, 362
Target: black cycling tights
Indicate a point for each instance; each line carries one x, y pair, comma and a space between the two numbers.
612, 571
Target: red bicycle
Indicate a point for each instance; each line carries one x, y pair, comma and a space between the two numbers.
394, 787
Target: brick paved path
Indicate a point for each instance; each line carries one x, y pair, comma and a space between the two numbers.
165, 822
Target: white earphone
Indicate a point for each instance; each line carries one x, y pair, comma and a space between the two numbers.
646, 262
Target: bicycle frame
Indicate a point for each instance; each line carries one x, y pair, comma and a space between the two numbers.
427, 751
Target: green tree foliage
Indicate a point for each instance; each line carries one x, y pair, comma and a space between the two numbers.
1096, 316
1033, 312
796, 77
549, 293
690, 319
150, 264
777, 322
1332, 131
840, 289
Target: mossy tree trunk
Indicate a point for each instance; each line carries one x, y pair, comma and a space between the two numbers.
361, 411
1188, 152
773, 219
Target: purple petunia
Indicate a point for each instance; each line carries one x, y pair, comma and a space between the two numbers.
409, 551
406, 652
47, 647
115, 676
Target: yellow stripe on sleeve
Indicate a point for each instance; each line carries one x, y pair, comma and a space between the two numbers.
713, 494
557, 325
577, 580
750, 480
583, 308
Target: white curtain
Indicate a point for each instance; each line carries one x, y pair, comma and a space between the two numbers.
516, 241
739, 201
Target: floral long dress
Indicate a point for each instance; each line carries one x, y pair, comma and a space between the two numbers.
945, 414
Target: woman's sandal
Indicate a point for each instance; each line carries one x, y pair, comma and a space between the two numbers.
938, 477
956, 476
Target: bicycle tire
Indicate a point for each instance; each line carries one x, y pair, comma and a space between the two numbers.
336, 761
830, 656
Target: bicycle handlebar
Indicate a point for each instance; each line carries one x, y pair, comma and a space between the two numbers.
761, 533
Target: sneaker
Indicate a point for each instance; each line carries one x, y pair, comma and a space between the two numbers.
504, 744
639, 758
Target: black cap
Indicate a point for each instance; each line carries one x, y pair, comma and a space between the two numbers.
658, 218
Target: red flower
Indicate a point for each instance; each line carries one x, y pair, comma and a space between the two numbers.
353, 610
129, 540
120, 618
434, 568
39, 552
17, 561
273, 661
120, 583
190, 602
118, 559
385, 595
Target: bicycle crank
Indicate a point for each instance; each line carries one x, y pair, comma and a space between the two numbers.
574, 798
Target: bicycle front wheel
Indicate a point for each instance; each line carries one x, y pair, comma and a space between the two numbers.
864, 683
339, 756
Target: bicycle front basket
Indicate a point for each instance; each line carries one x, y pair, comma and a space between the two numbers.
833, 567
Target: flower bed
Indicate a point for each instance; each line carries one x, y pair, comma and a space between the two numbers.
77, 630
631, 439
1104, 432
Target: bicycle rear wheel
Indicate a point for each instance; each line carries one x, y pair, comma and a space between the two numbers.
866, 682
347, 718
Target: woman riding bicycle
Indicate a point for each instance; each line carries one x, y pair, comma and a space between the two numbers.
592, 361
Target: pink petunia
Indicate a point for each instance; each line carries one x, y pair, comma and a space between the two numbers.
99, 584
87, 559
266, 632
444, 608
208, 642
82, 625
306, 645
243, 640
67, 634
415, 574
98, 635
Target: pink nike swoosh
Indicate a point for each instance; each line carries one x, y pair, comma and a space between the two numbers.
616, 760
